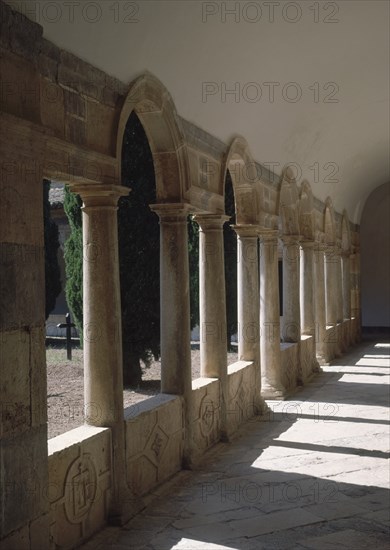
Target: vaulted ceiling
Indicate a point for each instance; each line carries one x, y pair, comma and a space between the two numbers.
309, 80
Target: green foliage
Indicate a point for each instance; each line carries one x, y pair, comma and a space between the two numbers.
52, 268
139, 255
193, 252
74, 260
230, 249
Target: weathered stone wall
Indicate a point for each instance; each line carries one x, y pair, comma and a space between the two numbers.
80, 475
243, 401
61, 118
154, 442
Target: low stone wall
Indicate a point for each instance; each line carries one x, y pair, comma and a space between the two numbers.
308, 360
290, 363
205, 414
243, 398
79, 484
154, 442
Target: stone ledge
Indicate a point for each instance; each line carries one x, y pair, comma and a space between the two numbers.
238, 366
73, 437
131, 412
202, 382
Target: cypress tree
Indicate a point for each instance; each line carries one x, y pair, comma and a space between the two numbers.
73, 256
230, 249
52, 268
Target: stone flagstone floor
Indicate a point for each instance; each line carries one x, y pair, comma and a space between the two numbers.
311, 474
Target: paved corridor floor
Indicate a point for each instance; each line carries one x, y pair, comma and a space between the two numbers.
311, 474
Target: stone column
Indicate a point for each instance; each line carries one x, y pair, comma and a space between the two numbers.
271, 366
346, 284
320, 304
248, 292
174, 299
176, 375
291, 329
212, 304
103, 378
212, 299
330, 286
307, 302
355, 292
248, 299
339, 285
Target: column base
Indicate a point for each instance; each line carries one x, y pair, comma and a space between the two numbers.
269, 392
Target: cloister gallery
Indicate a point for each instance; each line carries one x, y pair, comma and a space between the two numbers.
63, 119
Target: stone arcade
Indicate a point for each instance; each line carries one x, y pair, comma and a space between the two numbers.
59, 493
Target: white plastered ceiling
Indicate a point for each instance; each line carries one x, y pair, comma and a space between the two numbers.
336, 54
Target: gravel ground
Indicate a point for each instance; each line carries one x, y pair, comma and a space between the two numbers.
65, 387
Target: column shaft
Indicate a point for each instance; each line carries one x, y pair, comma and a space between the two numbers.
307, 301
339, 288
320, 304
330, 286
174, 300
271, 380
346, 285
103, 376
248, 294
212, 299
291, 330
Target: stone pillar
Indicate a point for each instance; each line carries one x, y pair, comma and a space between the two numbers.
248, 299
330, 286
174, 299
212, 299
176, 375
307, 302
346, 284
320, 304
291, 329
103, 378
355, 292
248, 293
271, 371
212, 304
339, 285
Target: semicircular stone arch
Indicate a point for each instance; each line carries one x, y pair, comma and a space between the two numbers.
153, 105
345, 233
242, 168
288, 204
306, 212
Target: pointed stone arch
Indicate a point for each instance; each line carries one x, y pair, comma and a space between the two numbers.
288, 204
154, 106
306, 212
239, 161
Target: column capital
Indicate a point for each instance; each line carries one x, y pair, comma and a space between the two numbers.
345, 253
290, 239
319, 246
96, 194
211, 221
268, 235
307, 244
172, 212
246, 230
